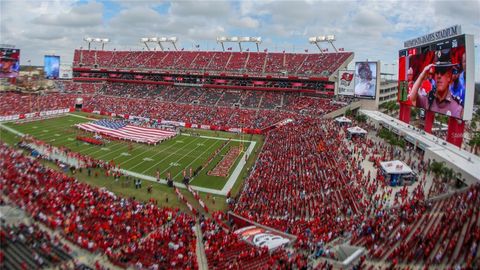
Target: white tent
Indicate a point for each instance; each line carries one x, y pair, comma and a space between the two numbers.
395, 167
356, 130
343, 119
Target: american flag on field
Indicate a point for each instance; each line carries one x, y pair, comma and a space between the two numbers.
121, 130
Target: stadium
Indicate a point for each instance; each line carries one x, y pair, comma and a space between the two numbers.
241, 157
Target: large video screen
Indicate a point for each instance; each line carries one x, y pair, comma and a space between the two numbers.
345, 82
436, 77
51, 66
365, 79
9, 62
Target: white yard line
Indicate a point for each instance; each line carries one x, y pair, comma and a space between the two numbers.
156, 164
199, 156
132, 158
183, 156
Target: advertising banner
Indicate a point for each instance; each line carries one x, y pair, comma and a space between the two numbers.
345, 82
261, 237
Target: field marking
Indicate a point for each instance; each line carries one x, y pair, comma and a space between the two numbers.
50, 125
105, 149
147, 159
135, 156
125, 154
156, 154
119, 149
156, 164
79, 116
213, 144
184, 156
12, 130
70, 139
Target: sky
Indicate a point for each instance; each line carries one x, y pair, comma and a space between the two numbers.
373, 30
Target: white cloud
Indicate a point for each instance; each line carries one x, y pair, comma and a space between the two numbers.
86, 15
245, 22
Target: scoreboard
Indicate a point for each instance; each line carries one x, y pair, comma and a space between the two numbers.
438, 76
454, 42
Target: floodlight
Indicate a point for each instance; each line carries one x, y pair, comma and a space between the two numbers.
172, 39
154, 39
243, 39
321, 38
312, 39
162, 39
144, 39
88, 39
221, 39
234, 39
106, 40
330, 37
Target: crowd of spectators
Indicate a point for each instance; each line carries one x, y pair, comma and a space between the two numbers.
96, 219
445, 231
250, 62
28, 247
14, 103
318, 190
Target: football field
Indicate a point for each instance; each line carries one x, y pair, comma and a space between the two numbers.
184, 151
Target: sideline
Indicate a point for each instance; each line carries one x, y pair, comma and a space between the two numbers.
236, 173
11, 130
79, 116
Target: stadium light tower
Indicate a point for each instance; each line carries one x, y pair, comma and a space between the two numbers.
91, 40
145, 41
173, 40
328, 38
159, 41
221, 40
239, 40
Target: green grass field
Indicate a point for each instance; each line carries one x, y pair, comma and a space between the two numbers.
173, 155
